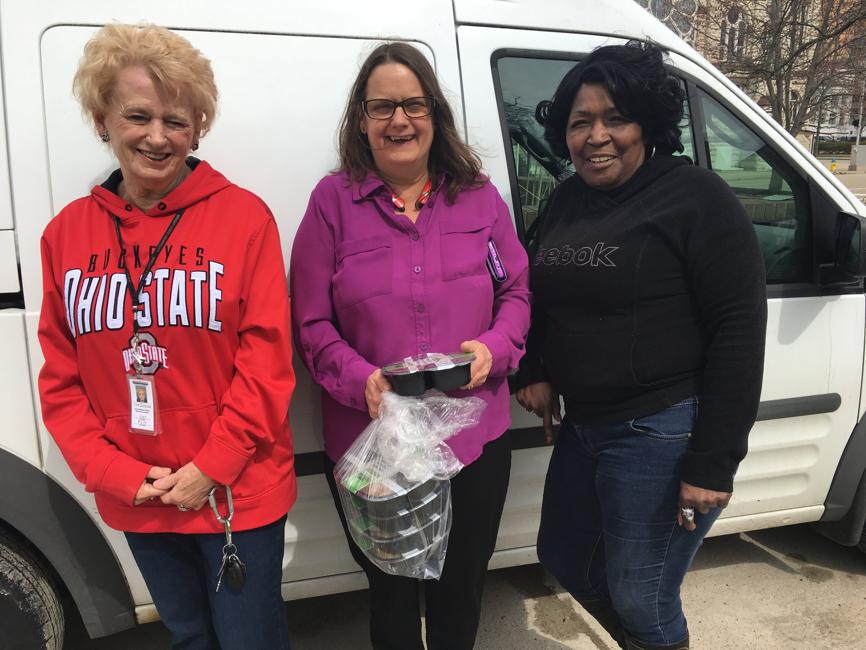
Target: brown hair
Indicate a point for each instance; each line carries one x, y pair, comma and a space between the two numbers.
169, 59
448, 153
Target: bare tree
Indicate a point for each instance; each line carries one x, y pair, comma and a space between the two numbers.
794, 55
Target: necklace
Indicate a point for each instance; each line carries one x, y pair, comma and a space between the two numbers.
400, 204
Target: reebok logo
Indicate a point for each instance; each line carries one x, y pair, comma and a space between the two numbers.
596, 255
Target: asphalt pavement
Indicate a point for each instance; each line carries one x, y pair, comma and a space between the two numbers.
853, 180
783, 588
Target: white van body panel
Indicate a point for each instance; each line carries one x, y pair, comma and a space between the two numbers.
9, 282
6, 220
609, 17
8, 262
791, 462
18, 430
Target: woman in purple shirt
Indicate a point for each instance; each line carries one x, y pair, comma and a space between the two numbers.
389, 262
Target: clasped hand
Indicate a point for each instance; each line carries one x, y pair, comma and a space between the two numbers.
188, 486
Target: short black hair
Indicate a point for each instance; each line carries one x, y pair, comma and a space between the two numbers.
640, 87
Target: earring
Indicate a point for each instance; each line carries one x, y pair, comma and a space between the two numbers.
104, 136
195, 146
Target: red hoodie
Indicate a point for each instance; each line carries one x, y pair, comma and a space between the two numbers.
215, 315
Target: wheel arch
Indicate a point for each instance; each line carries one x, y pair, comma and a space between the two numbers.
845, 505
50, 519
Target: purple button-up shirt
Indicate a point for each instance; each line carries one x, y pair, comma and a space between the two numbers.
369, 287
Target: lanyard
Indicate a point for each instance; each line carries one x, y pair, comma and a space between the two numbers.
135, 292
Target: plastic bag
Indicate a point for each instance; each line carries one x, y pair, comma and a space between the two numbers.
394, 481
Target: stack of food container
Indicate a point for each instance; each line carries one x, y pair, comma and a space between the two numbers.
399, 525
397, 515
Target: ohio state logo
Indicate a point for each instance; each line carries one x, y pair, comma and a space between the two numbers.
150, 355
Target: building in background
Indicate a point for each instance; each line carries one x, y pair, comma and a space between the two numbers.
803, 61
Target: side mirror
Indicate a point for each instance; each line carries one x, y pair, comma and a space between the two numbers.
849, 252
849, 257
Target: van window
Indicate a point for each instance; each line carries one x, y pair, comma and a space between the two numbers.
523, 83
775, 196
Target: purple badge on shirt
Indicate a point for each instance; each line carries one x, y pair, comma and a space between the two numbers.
494, 263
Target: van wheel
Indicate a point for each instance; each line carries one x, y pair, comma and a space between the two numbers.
29, 607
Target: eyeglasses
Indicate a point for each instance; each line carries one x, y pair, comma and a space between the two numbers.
383, 109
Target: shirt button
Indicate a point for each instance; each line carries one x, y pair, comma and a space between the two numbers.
127, 207
417, 269
414, 236
423, 347
419, 308
161, 205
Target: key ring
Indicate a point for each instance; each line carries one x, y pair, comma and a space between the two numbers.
231, 565
211, 497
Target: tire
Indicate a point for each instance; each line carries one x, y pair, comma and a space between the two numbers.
31, 615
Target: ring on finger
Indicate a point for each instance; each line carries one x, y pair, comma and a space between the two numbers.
688, 514
182, 507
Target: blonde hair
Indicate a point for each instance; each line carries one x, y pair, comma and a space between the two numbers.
170, 59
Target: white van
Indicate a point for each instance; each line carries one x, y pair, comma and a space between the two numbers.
283, 71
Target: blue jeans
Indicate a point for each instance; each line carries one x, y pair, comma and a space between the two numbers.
608, 522
181, 574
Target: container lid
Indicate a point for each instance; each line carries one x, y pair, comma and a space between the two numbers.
413, 529
402, 509
430, 361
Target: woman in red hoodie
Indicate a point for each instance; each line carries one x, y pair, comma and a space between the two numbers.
165, 329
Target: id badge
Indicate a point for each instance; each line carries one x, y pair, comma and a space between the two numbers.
143, 409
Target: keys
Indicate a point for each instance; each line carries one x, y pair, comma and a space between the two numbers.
232, 569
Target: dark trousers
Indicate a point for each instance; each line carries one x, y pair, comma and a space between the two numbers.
181, 575
452, 603
608, 523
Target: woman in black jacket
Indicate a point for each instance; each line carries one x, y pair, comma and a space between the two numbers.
649, 320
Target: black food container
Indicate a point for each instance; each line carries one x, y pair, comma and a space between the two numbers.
385, 501
397, 547
442, 372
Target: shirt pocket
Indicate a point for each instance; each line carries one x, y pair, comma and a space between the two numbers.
463, 247
364, 270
